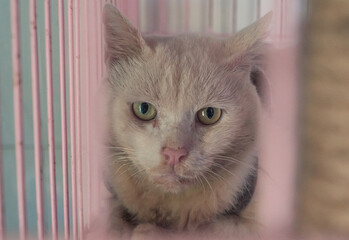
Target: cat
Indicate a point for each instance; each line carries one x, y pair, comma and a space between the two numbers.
182, 117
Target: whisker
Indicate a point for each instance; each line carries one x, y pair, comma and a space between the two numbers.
223, 168
116, 172
202, 183
217, 176
208, 184
236, 161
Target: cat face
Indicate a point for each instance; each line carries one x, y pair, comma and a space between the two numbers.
182, 109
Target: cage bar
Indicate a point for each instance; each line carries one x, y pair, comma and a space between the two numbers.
88, 112
2, 213
186, 14
99, 78
98, 40
92, 83
258, 9
50, 119
72, 118
36, 119
281, 10
18, 118
235, 6
277, 200
101, 37
77, 79
133, 12
162, 16
63, 119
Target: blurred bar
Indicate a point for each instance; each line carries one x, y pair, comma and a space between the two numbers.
50, 119
186, 15
94, 61
162, 16
101, 34
77, 79
100, 50
282, 6
258, 9
72, 118
210, 16
88, 112
121, 6
324, 197
278, 131
98, 36
36, 119
63, 119
133, 12
18, 118
2, 216
235, 6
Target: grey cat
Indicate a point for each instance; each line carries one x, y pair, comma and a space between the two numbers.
183, 115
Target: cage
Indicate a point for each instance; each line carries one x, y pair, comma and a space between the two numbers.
48, 110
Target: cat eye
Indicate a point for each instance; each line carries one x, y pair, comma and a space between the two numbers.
209, 115
144, 111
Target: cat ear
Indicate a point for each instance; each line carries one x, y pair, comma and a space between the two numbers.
250, 37
248, 50
122, 40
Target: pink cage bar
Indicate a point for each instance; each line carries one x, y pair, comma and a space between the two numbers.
85, 74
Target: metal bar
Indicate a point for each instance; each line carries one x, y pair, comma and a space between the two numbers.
121, 6
63, 119
258, 9
72, 118
277, 199
235, 17
186, 15
281, 18
88, 112
50, 119
210, 15
36, 118
162, 16
98, 40
93, 85
78, 117
101, 37
2, 216
133, 12
100, 64
18, 118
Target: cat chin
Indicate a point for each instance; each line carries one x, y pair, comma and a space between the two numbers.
171, 183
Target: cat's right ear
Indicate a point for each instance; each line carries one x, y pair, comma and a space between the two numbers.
122, 40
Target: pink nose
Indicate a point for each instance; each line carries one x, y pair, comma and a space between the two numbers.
174, 156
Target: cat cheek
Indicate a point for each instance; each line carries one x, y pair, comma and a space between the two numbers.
147, 151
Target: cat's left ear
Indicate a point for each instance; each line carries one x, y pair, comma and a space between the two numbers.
251, 37
122, 40
248, 50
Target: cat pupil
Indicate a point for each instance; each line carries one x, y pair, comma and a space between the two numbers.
210, 112
144, 108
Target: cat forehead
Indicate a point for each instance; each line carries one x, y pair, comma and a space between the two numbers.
181, 68
189, 47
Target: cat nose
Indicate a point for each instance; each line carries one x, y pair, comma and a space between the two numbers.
174, 156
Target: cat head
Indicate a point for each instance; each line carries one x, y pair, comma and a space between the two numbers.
181, 107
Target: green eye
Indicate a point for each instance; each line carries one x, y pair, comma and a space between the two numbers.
144, 111
209, 115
